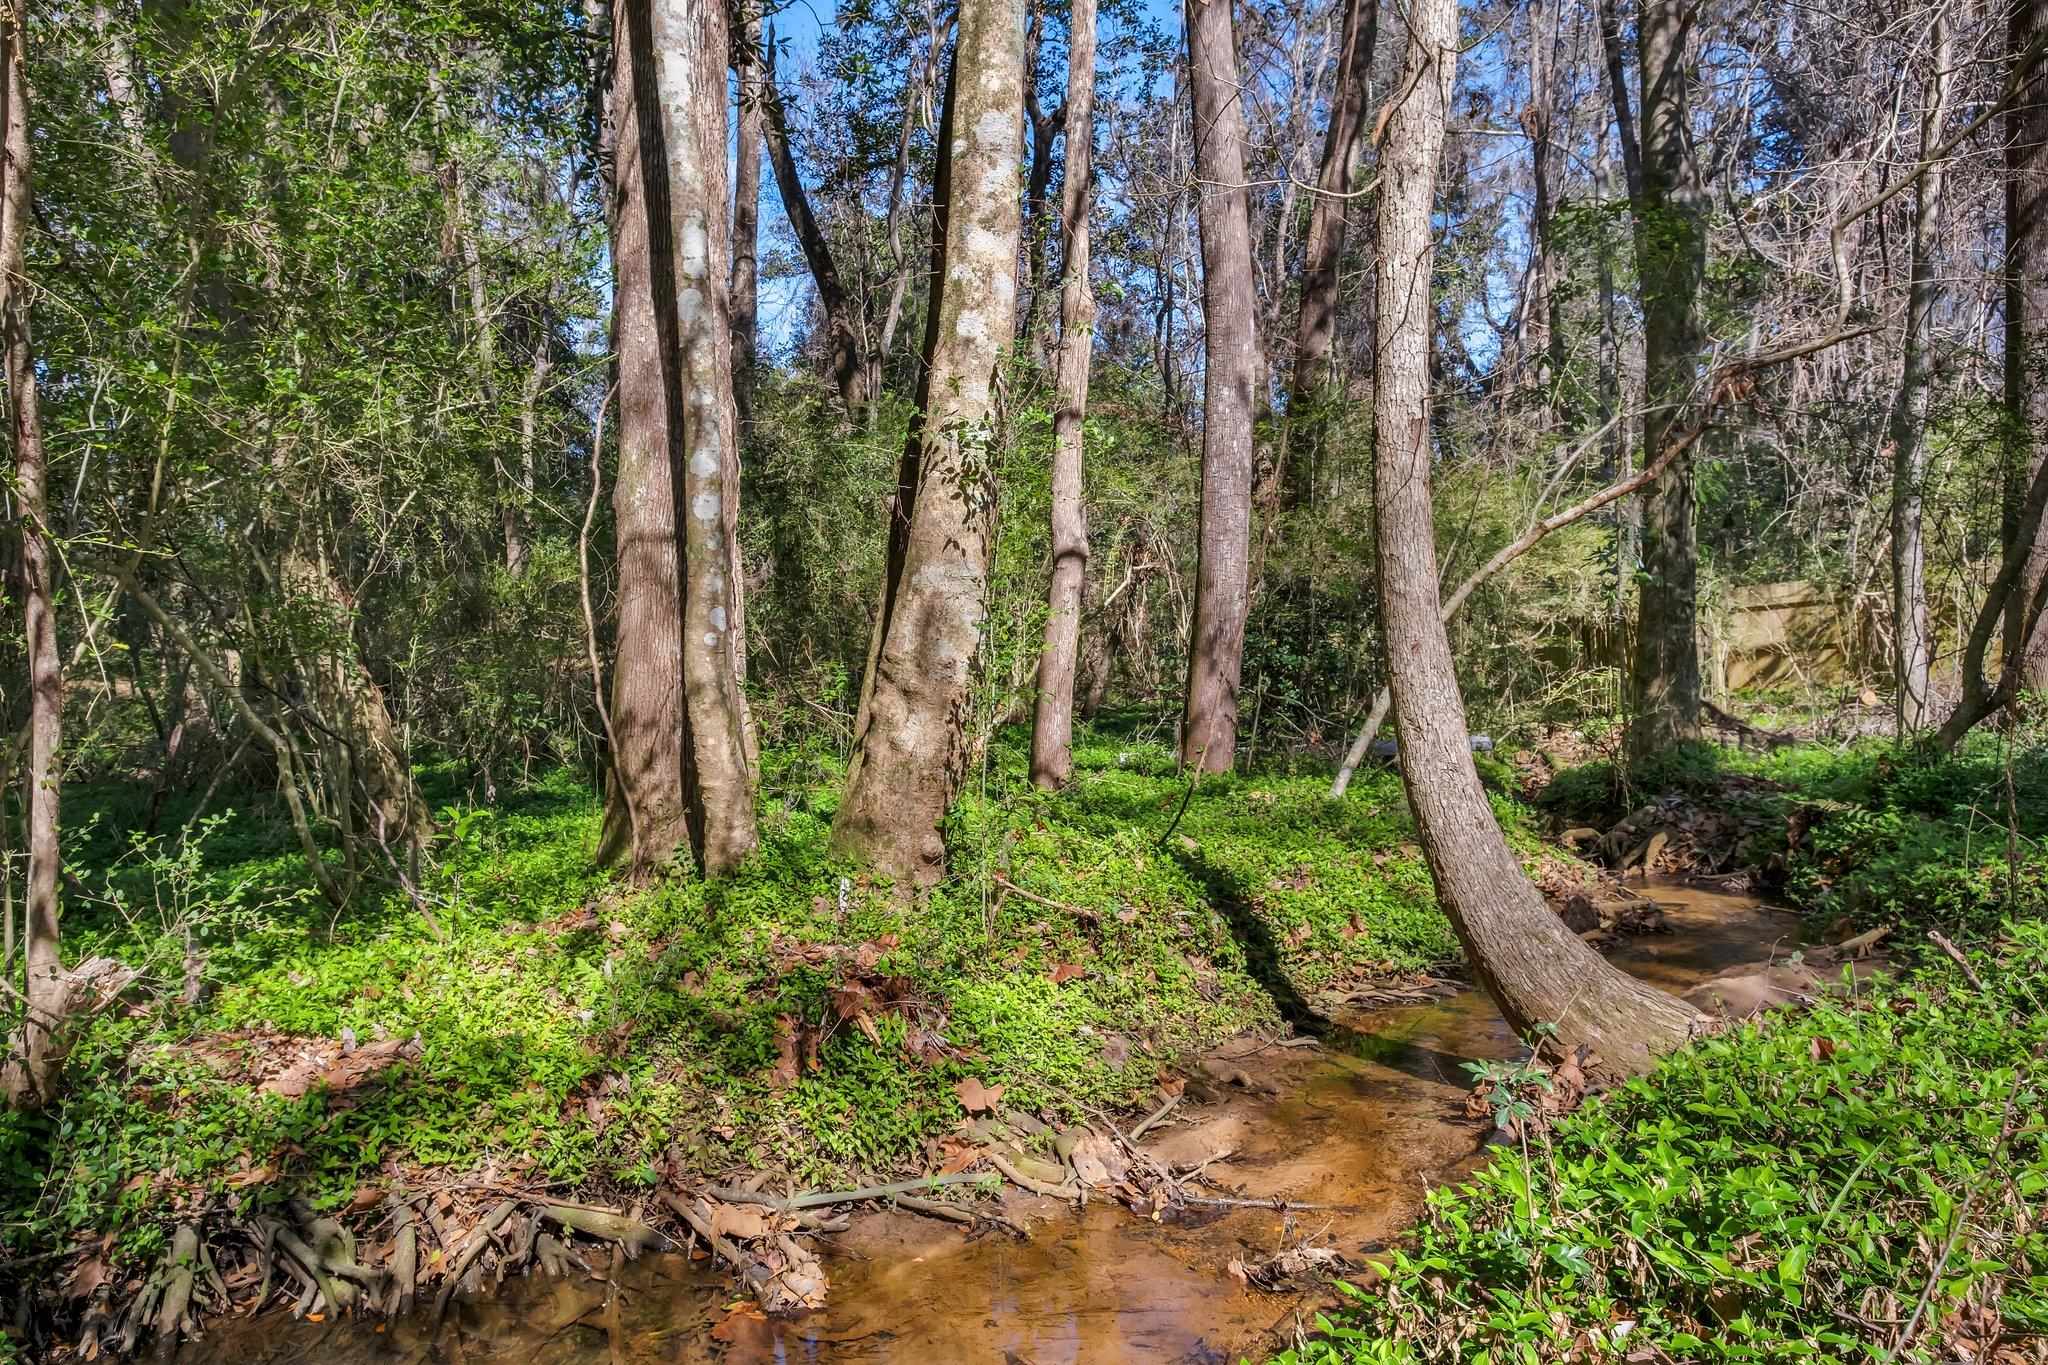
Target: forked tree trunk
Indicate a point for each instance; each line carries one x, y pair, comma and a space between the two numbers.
746, 212
366, 766
1052, 730
30, 1070
690, 60
1208, 741
1913, 653
1671, 247
910, 740
2026, 316
1315, 326
1536, 970
645, 819
845, 347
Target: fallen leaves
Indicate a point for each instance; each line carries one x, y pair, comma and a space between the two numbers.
335, 1068
1067, 971
977, 1098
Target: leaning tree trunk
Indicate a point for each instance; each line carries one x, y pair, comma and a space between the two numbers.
910, 742
1535, 969
30, 1070
1315, 325
1052, 730
2026, 314
1671, 246
1208, 741
690, 62
845, 337
1913, 652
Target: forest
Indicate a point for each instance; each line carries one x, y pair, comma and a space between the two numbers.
1311, 681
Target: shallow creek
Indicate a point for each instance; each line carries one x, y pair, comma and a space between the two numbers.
1370, 1123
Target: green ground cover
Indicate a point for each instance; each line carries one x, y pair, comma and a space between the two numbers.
566, 1029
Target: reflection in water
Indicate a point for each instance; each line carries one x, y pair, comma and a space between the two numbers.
1369, 1125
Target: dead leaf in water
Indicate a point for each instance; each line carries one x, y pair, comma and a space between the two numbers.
977, 1098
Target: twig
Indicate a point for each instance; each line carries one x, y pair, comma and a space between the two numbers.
1048, 902
479, 1238
818, 1199
1277, 1205
1155, 1118
1193, 779
1942, 942
1025, 1182
938, 1208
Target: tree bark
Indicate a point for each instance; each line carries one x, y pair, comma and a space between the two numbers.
2026, 314
1315, 326
1052, 730
1223, 575
1670, 243
1535, 969
1913, 652
845, 348
645, 816
910, 740
746, 212
1045, 128
690, 59
1542, 340
30, 1073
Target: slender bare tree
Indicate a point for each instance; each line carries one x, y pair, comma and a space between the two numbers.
746, 208
31, 1067
1208, 740
1052, 731
845, 335
1536, 970
910, 738
1913, 636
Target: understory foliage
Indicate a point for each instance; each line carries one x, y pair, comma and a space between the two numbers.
1825, 1185
795, 1018
1864, 833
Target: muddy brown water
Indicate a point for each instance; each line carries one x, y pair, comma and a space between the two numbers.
1370, 1123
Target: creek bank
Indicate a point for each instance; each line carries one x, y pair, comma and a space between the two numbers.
1360, 1127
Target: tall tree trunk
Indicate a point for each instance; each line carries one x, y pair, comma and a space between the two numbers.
645, 815
1045, 129
1670, 242
2026, 311
845, 348
518, 540
1913, 635
1315, 326
1536, 970
1628, 517
1542, 340
746, 213
1052, 730
690, 59
1208, 740
909, 739
30, 1071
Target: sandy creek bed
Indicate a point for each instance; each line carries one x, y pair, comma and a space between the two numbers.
1370, 1123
